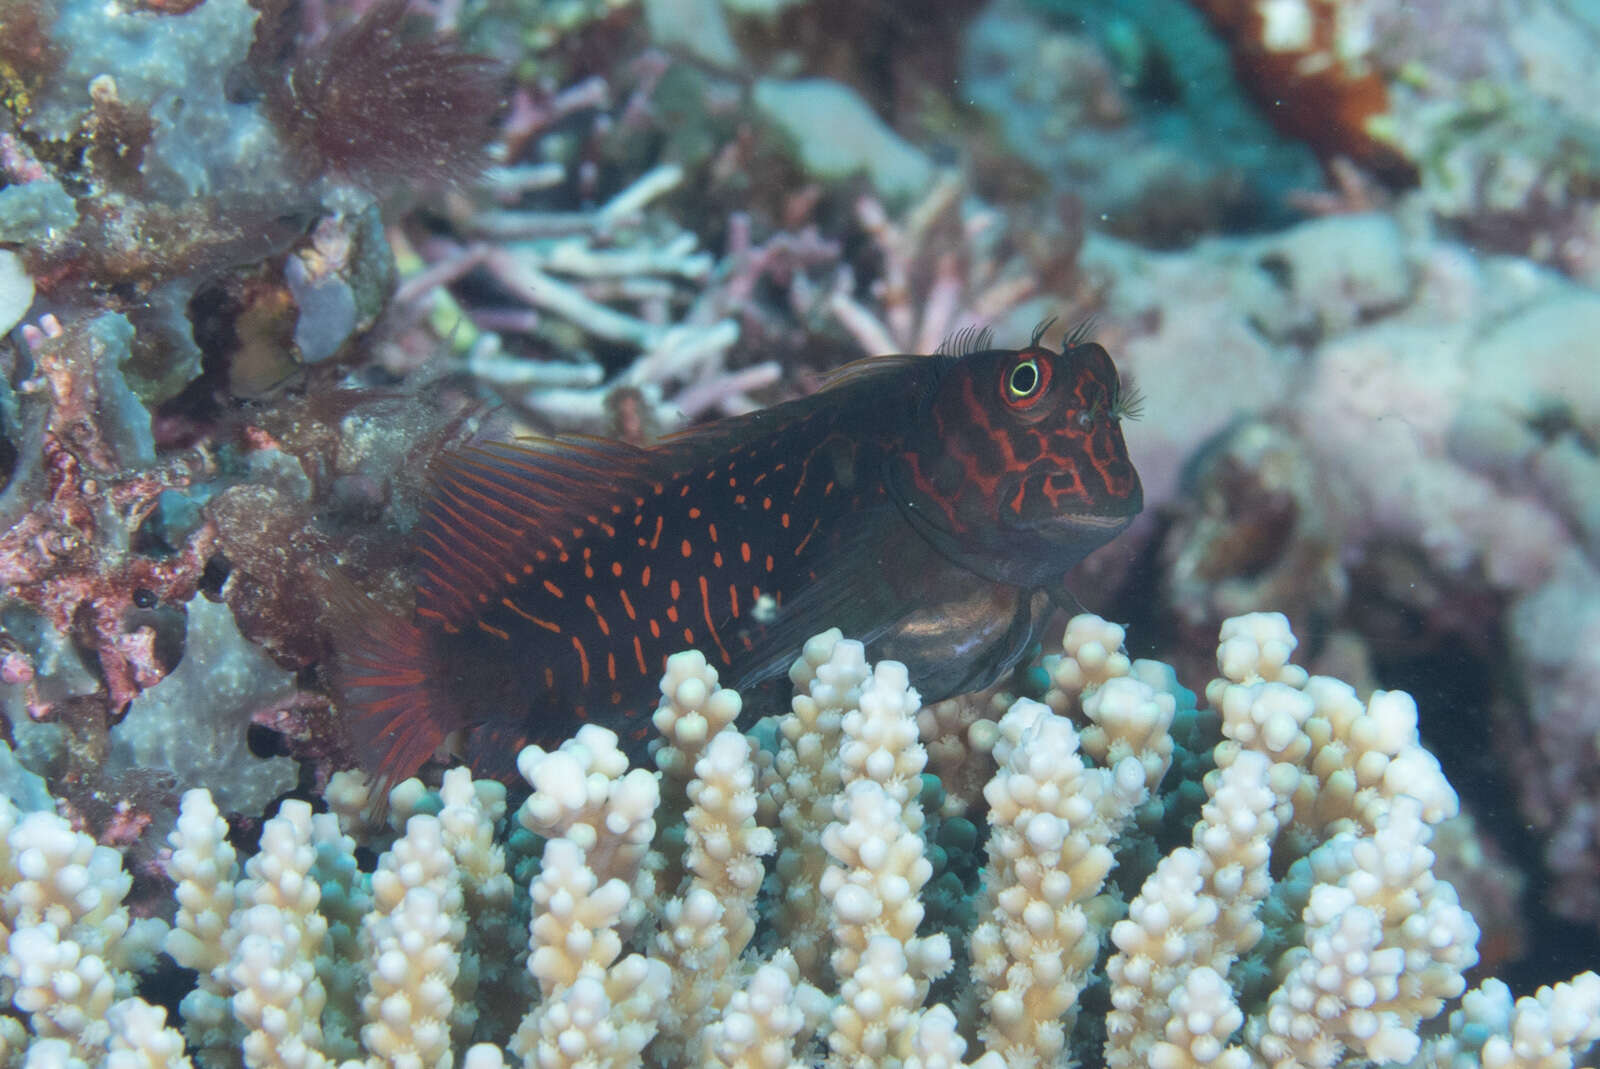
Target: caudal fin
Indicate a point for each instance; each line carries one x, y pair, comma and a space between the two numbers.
395, 708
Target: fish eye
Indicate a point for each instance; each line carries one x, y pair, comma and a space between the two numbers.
1024, 378
1026, 381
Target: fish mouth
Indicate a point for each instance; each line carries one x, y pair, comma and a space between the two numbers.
1100, 521
1084, 530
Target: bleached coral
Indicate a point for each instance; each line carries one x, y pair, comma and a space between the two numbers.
584, 791
1051, 822
71, 950
1194, 917
800, 783
1303, 924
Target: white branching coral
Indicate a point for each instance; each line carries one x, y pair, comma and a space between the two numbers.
1302, 925
71, 950
585, 792
597, 1008
707, 927
58, 876
1091, 654
203, 867
1385, 945
471, 810
1546, 1030
875, 884
759, 1027
693, 709
1051, 820
800, 784
1194, 917
959, 734
413, 938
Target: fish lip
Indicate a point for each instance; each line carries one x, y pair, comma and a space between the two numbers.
1098, 520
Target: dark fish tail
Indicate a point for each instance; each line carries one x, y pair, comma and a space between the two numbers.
396, 707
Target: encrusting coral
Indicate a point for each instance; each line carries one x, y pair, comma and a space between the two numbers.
1302, 925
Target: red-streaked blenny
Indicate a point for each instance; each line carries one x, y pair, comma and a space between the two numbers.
930, 506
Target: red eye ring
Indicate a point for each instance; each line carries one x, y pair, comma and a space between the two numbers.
1026, 380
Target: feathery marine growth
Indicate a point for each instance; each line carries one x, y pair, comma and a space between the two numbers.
929, 505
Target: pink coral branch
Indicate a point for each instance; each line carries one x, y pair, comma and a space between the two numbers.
528, 117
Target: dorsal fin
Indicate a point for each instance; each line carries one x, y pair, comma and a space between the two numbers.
870, 367
837, 394
969, 339
499, 508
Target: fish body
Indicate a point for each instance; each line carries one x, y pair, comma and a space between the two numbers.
929, 506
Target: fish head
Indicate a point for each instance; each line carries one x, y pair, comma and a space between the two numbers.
1017, 468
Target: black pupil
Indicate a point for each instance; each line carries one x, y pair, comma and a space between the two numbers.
1024, 377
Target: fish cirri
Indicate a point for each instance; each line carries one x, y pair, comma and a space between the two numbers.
929, 506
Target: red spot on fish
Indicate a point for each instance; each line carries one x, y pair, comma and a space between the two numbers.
583, 660
800, 548
705, 608
589, 603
